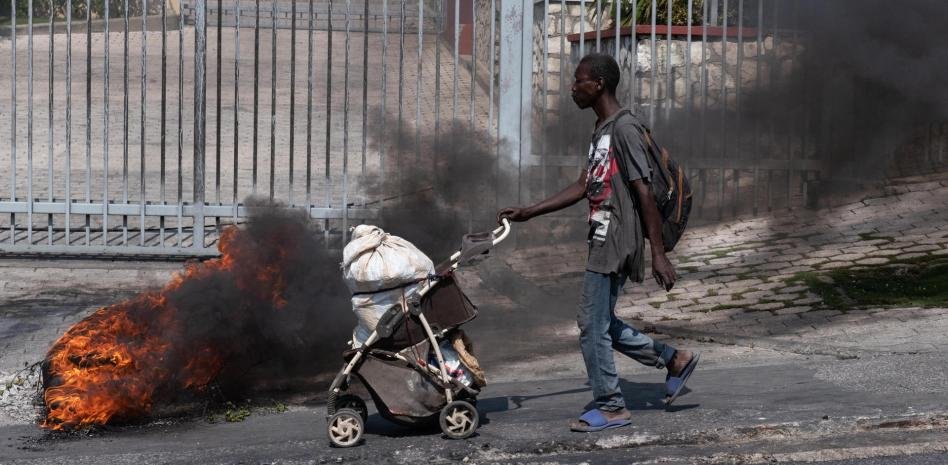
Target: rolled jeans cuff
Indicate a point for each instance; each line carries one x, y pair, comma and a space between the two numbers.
667, 354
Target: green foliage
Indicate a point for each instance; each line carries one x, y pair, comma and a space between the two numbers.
643, 11
921, 282
235, 414
46, 8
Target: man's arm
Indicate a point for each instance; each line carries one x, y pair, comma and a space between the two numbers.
662, 269
568, 196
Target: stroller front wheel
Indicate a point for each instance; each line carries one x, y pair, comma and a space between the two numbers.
459, 420
352, 402
345, 428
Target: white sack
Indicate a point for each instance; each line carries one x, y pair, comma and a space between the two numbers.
375, 260
370, 307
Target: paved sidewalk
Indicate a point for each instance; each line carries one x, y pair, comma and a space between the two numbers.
737, 279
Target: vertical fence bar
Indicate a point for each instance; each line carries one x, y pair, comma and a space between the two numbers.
457, 38
29, 129
563, 55
437, 101
401, 83
235, 198
723, 110
141, 198
68, 120
654, 75
217, 111
49, 115
543, 91
180, 235
493, 76
329, 95
256, 95
273, 67
473, 58
704, 102
598, 26
418, 78
345, 128
737, 102
292, 96
125, 123
757, 86
88, 232
633, 74
669, 72
384, 93
105, 131
774, 73
582, 27
309, 110
618, 21
689, 104
13, 119
365, 81
164, 114
792, 126
200, 122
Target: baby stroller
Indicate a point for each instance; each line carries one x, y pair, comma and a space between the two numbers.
401, 363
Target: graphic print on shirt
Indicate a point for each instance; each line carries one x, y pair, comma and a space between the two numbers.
600, 168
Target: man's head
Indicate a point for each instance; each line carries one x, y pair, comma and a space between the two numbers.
596, 75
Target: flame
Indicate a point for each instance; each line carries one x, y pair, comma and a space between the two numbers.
118, 362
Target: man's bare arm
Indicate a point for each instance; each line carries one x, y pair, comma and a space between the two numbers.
662, 269
568, 196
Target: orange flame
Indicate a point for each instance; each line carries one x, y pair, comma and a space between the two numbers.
116, 363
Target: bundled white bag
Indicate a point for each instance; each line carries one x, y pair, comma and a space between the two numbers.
380, 270
370, 307
374, 260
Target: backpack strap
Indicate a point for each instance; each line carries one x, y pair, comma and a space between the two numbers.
623, 170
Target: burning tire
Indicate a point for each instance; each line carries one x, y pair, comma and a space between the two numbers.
459, 420
345, 428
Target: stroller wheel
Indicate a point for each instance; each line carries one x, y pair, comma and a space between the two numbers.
459, 420
345, 428
353, 402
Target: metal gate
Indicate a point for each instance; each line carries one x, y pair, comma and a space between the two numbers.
147, 132
144, 131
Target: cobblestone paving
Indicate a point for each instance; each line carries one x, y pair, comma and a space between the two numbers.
736, 278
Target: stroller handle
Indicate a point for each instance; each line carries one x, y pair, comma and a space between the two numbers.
503, 230
497, 236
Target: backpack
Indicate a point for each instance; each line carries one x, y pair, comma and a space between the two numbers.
669, 185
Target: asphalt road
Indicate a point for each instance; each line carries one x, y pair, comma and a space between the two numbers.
749, 414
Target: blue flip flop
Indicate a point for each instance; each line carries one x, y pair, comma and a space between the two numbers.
596, 421
675, 384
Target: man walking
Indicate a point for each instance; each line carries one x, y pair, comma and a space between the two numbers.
617, 209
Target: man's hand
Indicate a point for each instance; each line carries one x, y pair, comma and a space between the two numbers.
662, 270
513, 214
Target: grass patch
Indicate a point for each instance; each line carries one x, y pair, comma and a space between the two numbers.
873, 236
37, 20
919, 282
720, 307
726, 251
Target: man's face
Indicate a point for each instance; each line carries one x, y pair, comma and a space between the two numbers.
585, 89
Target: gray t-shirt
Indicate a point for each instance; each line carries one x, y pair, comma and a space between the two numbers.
616, 242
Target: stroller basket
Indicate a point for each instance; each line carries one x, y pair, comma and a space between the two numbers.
388, 378
445, 306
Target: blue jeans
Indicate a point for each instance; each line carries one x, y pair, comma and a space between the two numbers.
600, 332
